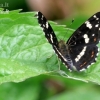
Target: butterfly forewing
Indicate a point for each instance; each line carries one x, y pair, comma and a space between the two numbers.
88, 32
48, 31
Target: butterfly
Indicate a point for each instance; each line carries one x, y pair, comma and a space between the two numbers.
80, 51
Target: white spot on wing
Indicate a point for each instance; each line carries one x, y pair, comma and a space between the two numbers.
76, 59
88, 24
42, 17
97, 18
96, 25
82, 69
47, 25
86, 38
85, 35
92, 34
51, 38
44, 25
98, 49
88, 66
95, 59
94, 16
81, 54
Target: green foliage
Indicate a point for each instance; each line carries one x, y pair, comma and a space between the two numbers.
78, 94
24, 51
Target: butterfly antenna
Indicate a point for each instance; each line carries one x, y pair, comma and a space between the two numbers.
69, 26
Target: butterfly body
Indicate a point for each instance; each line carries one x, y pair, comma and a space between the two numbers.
64, 50
80, 51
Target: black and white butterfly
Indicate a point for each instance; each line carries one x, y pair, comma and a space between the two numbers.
80, 51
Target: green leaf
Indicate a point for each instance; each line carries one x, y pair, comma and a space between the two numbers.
80, 93
27, 90
22, 46
24, 51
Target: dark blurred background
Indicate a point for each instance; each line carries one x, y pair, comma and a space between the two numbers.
63, 11
45, 87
